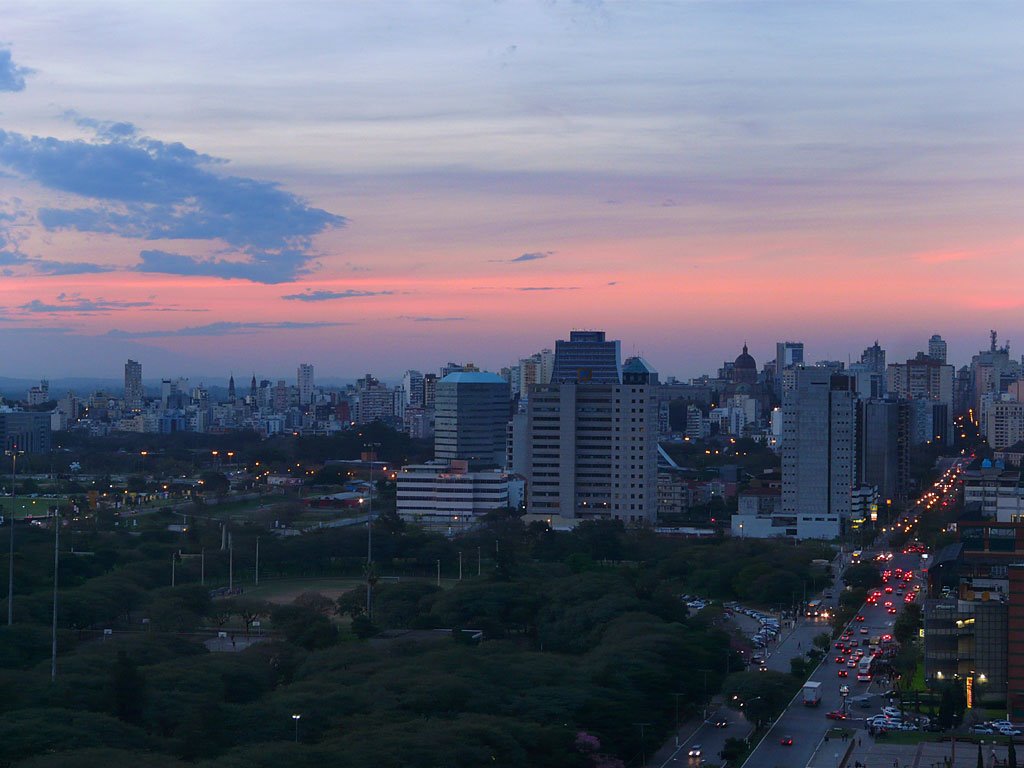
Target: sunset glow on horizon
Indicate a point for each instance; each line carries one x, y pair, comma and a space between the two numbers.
218, 187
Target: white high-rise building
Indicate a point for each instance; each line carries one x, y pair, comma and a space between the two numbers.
819, 452
937, 348
591, 447
305, 382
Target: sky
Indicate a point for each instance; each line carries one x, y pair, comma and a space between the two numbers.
218, 187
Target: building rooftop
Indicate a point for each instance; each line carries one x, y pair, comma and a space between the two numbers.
473, 377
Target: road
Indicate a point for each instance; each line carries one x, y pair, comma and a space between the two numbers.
808, 725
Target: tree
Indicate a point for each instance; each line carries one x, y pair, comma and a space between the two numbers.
908, 623
864, 575
128, 688
1011, 754
823, 641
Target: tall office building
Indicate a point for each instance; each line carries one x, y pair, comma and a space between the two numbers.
937, 348
788, 355
305, 382
819, 452
587, 357
885, 447
27, 431
874, 358
471, 418
133, 385
591, 446
412, 383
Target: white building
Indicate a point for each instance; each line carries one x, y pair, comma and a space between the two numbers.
442, 495
305, 384
591, 450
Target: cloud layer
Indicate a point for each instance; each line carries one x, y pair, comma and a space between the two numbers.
12, 77
315, 296
143, 188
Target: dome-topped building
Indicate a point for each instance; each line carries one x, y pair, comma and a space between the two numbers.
744, 370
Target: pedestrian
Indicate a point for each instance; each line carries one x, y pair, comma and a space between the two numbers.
858, 741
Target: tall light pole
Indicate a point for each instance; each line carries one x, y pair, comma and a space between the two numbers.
296, 718
13, 453
369, 533
56, 562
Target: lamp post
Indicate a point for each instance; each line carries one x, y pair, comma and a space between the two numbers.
296, 718
56, 560
13, 453
369, 534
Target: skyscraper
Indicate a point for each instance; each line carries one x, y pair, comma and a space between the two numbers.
586, 358
937, 348
788, 354
819, 452
305, 382
591, 444
885, 447
471, 421
133, 385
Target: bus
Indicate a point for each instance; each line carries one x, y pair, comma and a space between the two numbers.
814, 608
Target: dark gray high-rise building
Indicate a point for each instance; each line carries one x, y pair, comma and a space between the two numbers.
819, 451
885, 448
587, 357
27, 431
471, 418
874, 358
133, 385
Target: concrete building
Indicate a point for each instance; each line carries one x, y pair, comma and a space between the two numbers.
471, 418
1003, 424
937, 348
133, 394
305, 384
788, 355
447, 496
819, 452
591, 450
995, 492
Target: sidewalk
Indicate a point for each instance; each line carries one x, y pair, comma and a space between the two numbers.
871, 753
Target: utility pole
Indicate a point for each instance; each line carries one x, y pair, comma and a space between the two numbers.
439, 573
643, 742
460, 565
173, 557
231, 564
56, 562
202, 567
13, 453
479, 561
257, 561
369, 534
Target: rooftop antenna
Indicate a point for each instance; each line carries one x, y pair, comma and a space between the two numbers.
993, 335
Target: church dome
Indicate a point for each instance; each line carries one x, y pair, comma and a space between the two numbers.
744, 370
745, 361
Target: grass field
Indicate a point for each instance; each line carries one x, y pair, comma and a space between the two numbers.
25, 506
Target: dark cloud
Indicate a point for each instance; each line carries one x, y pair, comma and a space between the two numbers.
81, 305
428, 319
533, 256
550, 288
12, 77
284, 268
47, 266
310, 295
150, 189
613, 282
221, 329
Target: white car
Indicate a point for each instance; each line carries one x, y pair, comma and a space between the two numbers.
1008, 731
891, 712
694, 751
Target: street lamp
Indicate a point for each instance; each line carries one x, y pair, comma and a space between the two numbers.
296, 718
14, 453
369, 534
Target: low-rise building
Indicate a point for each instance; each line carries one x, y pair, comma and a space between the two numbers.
445, 495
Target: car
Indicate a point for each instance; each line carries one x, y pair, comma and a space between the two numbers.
786, 741
840, 659
851, 662
1008, 731
859, 617
892, 712
844, 673
863, 630
695, 751
982, 730
838, 644
887, 603
891, 611
836, 714
844, 690
720, 722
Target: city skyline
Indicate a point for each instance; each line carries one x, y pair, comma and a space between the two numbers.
376, 188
